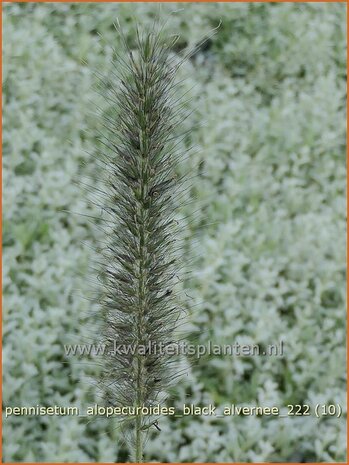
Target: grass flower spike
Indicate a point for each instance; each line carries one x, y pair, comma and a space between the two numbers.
140, 268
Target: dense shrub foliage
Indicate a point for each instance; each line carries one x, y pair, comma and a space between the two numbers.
268, 233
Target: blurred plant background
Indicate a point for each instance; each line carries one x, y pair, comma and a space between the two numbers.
270, 87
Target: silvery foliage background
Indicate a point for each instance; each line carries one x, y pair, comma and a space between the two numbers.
270, 263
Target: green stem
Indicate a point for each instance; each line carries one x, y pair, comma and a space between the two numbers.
141, 296
138, 425
139, 442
